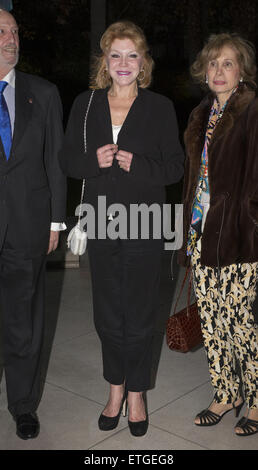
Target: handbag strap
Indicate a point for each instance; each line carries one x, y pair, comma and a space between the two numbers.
85, 151
182, 287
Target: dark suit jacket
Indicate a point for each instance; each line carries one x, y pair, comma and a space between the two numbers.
32, 185
150, 132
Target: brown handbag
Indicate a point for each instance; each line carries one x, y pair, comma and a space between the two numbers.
184, 328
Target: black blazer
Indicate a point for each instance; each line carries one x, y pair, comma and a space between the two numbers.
149, 131
32, 185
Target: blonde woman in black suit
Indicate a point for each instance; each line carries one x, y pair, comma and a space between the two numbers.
133, 151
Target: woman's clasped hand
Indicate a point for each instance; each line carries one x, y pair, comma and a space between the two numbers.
107, 153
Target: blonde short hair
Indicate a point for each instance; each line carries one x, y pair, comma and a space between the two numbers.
121, 30
245, 53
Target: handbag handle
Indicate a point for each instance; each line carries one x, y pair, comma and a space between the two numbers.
188, 292
85, 151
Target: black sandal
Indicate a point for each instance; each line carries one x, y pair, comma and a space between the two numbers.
248, 426
209, 418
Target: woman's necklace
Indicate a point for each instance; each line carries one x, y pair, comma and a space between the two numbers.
221, 111
223, 107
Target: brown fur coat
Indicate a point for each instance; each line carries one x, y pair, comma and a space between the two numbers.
231, 230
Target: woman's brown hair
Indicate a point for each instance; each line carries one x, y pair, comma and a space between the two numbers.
245, 53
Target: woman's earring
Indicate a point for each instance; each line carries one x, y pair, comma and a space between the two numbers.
241, 80
206, 80
143, 77
105, 74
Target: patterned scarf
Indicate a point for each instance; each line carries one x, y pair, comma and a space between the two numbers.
203, 185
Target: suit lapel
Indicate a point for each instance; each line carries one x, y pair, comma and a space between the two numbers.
23, 110
103, 114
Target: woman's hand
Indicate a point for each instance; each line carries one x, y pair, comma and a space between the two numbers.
124, 159
105, 155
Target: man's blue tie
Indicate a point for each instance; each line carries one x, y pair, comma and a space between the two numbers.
5, 124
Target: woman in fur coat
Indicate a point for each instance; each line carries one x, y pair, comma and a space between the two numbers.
221, 224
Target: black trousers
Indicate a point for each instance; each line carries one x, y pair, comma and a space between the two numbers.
22, 318
125, 279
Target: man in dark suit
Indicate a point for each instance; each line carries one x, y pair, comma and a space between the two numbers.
32, 208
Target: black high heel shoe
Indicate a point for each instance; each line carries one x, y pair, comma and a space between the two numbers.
139, 428
247, 425
107, 423
209, 418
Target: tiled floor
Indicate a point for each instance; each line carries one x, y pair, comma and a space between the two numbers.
75, 392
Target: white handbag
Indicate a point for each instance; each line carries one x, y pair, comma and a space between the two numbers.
77, 240
77, 237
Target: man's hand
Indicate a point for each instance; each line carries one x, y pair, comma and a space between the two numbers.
53, 241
